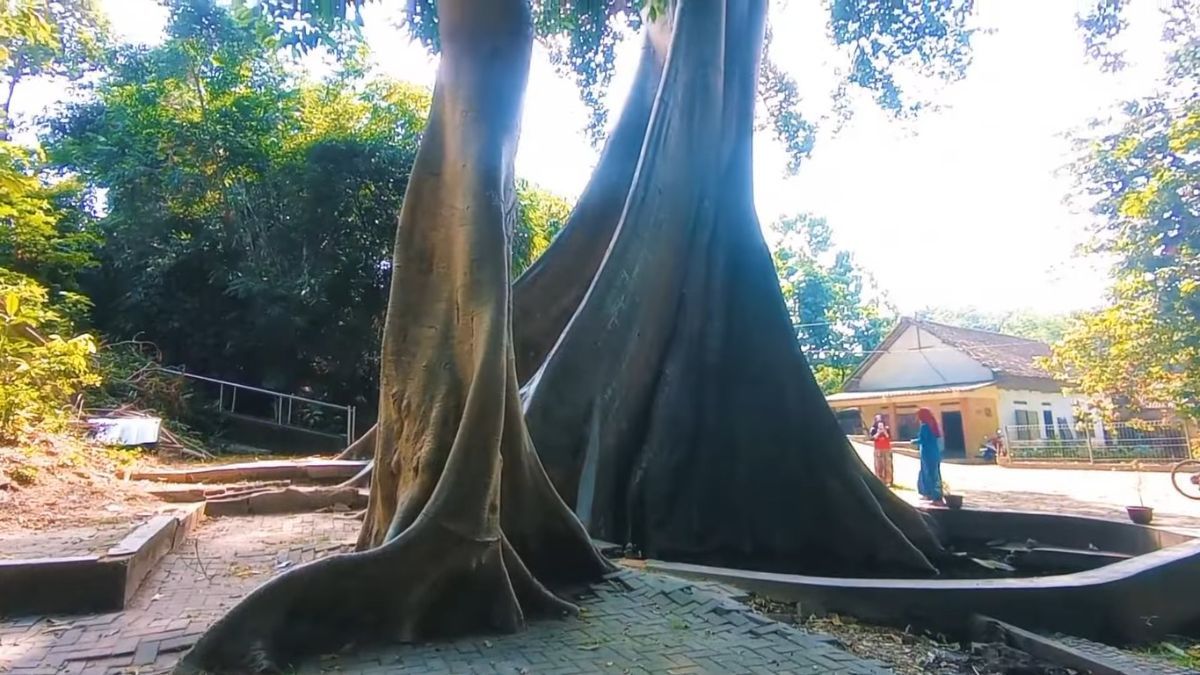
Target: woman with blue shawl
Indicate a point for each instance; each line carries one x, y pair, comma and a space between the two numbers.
929, 481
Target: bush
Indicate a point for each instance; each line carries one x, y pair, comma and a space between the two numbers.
40, 369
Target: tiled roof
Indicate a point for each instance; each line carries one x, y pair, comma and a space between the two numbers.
901, 393
1004, 354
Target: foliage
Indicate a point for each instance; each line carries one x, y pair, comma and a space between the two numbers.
250, 214
540, 216
839, 314
1126, 358
63, 38
1138, 173
41, 364
1048, 328
132, 376
880, 38
40, 232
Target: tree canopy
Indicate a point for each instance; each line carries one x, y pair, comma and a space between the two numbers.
241, 206
1138, 173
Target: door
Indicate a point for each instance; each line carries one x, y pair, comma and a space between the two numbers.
952, 428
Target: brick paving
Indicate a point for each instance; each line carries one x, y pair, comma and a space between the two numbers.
1089, 492
632, 623
189, 589
72, 541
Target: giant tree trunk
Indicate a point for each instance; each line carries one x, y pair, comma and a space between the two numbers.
547, 294
463, 524
676, 411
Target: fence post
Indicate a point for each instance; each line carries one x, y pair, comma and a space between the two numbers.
1091, 455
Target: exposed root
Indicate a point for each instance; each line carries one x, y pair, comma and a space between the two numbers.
199, 494
320, 470
289, 500
362, 478
429, 582
363, 448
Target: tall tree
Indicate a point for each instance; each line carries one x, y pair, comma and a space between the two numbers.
1138, 173
673, 406
463, 526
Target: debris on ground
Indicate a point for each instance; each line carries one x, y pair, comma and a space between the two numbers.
60, 480
910, 651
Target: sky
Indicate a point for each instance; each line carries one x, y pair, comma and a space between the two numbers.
962, 206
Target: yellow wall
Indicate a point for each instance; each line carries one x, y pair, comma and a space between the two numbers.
980, 417
979, 410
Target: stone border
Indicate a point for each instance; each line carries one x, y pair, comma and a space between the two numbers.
1131, 601
987, 629
96, 583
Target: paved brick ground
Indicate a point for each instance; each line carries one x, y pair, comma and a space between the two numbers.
1099, 493
633, 622
92, 540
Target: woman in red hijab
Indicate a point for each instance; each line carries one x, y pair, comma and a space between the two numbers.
929, 481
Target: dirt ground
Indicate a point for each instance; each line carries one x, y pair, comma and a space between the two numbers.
59, 482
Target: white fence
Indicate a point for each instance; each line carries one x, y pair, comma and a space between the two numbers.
1126, 442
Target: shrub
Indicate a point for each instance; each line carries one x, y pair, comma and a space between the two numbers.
41, 365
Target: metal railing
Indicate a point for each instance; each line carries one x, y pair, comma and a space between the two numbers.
287, 410
1124, 442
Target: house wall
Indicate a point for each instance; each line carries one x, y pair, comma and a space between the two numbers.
980, 417
1012, 400
978, 409
919, 359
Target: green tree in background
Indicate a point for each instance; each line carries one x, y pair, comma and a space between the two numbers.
839, 313
1139, 175
250, 214
63, 38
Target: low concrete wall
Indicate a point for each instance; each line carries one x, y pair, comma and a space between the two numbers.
89, 584
1055, 530
1136, 600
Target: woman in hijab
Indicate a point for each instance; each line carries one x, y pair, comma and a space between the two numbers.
881, 435
929, 481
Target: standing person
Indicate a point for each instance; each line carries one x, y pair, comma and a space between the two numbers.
929, 481
882, 437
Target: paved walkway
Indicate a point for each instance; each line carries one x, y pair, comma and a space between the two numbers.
633, 623
1099, 493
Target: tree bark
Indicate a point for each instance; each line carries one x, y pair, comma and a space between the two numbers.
548, 293
676, 411
463, 526
363, 448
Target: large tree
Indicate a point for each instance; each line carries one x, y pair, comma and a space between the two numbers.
1138, 173
666, 391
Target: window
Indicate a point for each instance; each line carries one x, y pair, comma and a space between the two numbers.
1048, 422
1064, 429
1027, 424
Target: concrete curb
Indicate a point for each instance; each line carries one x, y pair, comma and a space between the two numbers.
103, 583
1131, 601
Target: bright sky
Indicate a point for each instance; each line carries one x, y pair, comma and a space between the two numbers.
960, 207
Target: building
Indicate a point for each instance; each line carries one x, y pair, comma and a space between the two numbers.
977, 382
